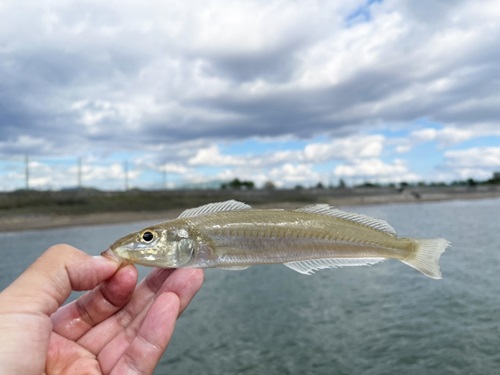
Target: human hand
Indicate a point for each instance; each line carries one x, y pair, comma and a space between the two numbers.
113, 328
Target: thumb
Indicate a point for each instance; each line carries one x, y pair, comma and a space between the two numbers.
48, 282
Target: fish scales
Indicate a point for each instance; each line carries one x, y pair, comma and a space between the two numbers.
244, 236
232, 235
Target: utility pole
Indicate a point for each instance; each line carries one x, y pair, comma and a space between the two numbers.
165, 177
126, 175
79, 173
27, 171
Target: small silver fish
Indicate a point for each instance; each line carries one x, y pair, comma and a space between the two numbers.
232, 235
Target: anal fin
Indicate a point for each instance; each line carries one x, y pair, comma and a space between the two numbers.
233, 268
307, 267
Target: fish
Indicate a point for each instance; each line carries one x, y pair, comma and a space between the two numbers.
233, 235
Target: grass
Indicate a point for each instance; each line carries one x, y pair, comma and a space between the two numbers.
89, 201
79, 202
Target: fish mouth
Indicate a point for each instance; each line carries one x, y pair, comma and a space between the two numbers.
110, 254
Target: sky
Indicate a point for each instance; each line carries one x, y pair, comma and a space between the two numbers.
192, 93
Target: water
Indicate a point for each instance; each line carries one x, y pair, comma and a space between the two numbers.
387, 319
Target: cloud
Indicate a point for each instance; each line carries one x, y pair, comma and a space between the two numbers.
24, 145
477, 157
358, 146
445, 137
158, 72
176, 81
294, 174
376, 170
59, 173
345, 148
211, 156
476, 162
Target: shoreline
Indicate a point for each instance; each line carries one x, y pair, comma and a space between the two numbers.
41, 221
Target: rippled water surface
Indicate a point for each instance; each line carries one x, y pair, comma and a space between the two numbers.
386, 319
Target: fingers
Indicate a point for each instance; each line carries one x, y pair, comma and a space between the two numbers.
185, 283
47, 283
142, 298
122, 328
152, 338
76, 318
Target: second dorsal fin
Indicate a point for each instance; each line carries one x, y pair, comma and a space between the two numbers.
210, 208
324, 209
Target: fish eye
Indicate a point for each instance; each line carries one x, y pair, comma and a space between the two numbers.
147, 236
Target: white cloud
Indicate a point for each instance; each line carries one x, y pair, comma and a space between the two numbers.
357, 146
287, 168
175, 80
445, 137
63, 173
211, 156
375, 170
174, 168
478, 162
341, 55
25, 144
479, 157
448, 136
294, 174
232, 70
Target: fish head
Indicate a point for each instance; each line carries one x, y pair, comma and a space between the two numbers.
162, 245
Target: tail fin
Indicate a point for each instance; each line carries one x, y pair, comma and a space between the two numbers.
426, 259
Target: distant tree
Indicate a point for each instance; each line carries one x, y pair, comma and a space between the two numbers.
319, 185
495, 179
471, 182
342, 184
248, 184
438, 184
237, 184
368, 185
269, 185
298, 187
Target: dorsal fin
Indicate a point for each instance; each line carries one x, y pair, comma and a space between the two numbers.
210, 208
324, 209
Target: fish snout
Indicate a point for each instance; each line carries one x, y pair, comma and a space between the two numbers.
110, 254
